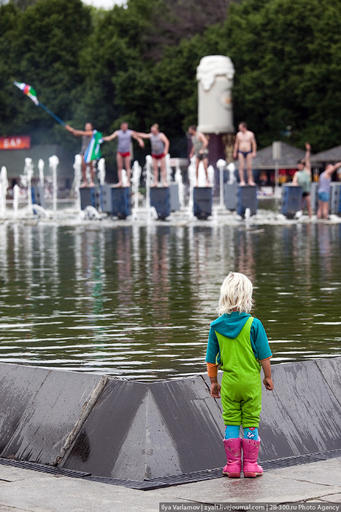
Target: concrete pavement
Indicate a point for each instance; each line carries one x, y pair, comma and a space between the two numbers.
23, 490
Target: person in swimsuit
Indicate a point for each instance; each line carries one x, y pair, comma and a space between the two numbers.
123, 156
302, 178
324, 190
245, 148
86, 135
199, 149
160, 148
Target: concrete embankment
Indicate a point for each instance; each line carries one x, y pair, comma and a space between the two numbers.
153, 434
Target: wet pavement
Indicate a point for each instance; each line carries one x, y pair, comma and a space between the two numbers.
23, 490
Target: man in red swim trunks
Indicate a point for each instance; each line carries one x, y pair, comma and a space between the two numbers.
123, 157
245, 149
160, 148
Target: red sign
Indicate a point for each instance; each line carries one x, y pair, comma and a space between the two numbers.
15, 142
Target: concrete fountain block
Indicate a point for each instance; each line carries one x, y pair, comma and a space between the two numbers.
291, 200
160, 200
202, 202
89, 197
116, 201
247, 199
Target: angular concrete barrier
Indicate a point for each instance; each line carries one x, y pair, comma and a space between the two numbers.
42, 410
144, 434
140, 431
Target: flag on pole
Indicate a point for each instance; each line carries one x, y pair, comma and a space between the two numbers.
29, 91
93, 151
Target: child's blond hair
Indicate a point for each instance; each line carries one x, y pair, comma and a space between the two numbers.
235, 294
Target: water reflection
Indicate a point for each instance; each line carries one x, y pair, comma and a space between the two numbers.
137, 301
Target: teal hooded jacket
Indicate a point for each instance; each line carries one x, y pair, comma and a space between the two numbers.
230, 325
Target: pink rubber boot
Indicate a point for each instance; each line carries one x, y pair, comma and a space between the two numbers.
250, 455
233, 450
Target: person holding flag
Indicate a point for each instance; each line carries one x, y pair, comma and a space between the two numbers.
90, 150
91, 142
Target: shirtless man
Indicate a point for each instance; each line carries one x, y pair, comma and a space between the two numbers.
160, 148
123, 157
86, 135
245, 148
199, 149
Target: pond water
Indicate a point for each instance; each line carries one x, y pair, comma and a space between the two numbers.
137, 301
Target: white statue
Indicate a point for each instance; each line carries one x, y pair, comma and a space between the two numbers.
215, 80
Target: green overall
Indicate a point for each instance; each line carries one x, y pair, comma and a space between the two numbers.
241, 392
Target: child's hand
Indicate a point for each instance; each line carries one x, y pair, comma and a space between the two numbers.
268, 383
215, 390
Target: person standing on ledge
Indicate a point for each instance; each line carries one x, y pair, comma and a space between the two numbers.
123, 156
302, 178
88, 157
324, 190
245, 149
238, 343
160, 149
199, 149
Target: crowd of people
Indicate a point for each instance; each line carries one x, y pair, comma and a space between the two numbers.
245, 149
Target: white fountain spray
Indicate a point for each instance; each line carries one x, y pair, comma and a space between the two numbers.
124, 178
77, 166
168, 169
179, 181
135, 187
28, 172
101, 171
151, 212
41, 166
192, 183
16, 192
221, 164
148, 177
53, 163
3, 190
231, 169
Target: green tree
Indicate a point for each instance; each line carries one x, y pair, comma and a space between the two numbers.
43, 47
288, 69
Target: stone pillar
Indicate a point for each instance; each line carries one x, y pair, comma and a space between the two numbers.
215, 115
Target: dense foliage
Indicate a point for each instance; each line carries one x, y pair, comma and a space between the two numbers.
139, 63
